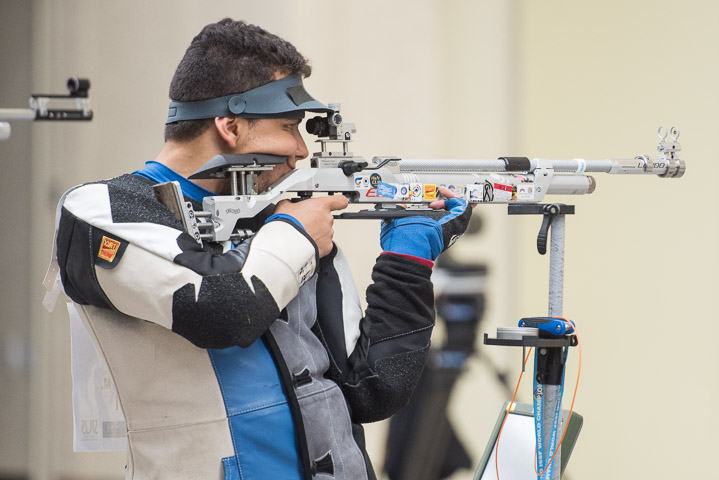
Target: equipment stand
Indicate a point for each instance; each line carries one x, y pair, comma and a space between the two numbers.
550, 355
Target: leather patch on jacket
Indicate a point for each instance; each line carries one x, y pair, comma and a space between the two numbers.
107, 249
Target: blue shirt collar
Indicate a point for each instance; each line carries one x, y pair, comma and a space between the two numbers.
159, 173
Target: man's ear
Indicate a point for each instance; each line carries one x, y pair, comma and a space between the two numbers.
229, 130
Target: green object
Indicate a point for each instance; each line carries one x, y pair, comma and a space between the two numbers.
521, 412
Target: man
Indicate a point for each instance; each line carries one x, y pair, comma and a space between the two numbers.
251, 360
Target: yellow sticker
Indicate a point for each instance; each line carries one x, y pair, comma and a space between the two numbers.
430, 192
108, 249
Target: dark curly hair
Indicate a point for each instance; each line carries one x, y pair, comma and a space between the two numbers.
224, 58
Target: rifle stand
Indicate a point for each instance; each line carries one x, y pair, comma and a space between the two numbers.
551, 335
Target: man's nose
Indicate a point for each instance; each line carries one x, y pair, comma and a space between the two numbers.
302, 151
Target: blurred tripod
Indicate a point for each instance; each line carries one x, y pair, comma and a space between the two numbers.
422, 444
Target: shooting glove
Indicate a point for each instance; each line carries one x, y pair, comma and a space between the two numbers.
424, 237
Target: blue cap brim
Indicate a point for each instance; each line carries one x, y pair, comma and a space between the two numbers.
283, 98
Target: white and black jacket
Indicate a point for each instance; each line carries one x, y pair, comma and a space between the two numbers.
248, 362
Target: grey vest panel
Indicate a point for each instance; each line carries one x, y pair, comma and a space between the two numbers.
326, 419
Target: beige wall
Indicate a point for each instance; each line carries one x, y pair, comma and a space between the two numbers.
456, 79
597, 80
15, 22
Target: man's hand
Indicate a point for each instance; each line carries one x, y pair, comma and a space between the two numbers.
315, 216
446, 192
424, 237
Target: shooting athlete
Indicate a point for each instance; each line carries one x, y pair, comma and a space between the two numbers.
250, 360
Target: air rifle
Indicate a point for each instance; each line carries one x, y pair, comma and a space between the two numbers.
395, 187
75, 106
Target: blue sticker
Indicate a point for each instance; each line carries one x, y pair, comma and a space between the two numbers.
386, 190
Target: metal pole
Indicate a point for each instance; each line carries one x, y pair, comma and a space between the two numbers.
556, 267
552, 393
7, 114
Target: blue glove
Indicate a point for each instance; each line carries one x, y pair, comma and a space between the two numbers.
424, 237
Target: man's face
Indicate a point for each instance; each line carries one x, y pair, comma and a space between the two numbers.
276, 136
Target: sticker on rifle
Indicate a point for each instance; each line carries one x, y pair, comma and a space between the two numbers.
430, 192
502, 192
361, 182
525, 193
402, 192
372, 193
416, 191
108, 249
498, 178
386, 190
474, 193
374, 179
488, 195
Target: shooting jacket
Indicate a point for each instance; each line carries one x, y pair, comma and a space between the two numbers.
248, 361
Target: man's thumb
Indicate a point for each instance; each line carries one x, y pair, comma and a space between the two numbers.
336, 202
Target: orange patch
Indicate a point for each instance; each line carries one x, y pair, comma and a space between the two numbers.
108, 249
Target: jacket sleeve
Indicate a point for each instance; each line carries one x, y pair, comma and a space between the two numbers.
119, 248
377, 359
